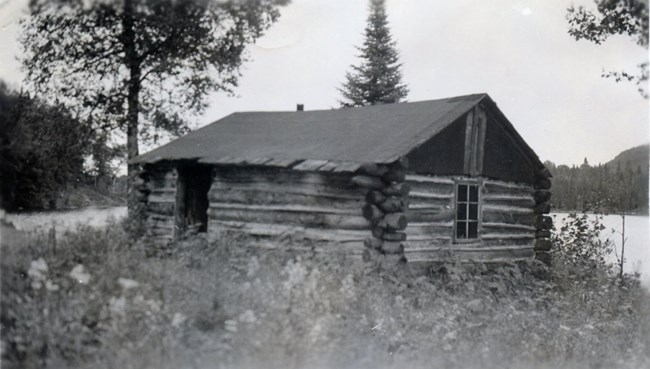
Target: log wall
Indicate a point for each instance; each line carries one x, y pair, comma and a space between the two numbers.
507, 230
159, 198
288, 208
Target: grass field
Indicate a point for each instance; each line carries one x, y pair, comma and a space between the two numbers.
94, 299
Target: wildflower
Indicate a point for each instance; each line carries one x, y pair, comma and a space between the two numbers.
127, 284
37, 272
178, 319
79, 274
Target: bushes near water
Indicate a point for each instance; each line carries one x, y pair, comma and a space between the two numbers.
94, 299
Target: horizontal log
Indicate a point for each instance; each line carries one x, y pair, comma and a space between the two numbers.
372, 183
429, 179
508, 226
485, 255
260, 197
516, 241
440, 215
397, 189
269, 188
289, 208
438, 242
441, 189
506, 209
374, 170
506, 236
521, 200
430, 237
430, 229
506, 188
306, 218
353, 250
446, 197
293, 231
507, 217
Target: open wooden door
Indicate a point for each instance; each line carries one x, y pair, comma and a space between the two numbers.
192, 202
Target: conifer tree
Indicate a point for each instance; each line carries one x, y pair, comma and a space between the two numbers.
378, 79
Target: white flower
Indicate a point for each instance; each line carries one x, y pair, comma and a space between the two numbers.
117, 306
37, 272
248, 316
127, 284
79, 274
51, 286
178, 319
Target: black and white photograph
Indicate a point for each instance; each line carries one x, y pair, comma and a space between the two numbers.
317, 184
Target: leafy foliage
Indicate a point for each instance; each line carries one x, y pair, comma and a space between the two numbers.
614, 17
378, 80
42, 150
577, 243
139, 67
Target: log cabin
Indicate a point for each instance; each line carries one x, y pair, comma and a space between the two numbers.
418, 182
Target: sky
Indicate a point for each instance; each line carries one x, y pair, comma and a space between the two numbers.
518, 51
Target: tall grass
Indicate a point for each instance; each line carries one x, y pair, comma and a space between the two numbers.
104, 302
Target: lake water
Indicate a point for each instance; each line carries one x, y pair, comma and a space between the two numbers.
66, 220
637, 229
637, 244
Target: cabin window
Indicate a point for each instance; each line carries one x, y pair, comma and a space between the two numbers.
467, 211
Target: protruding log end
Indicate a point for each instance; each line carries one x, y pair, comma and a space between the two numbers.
543, 245
372, 213
543, 184
395, 221
372, 183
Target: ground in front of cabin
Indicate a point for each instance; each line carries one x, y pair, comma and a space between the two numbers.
92, 299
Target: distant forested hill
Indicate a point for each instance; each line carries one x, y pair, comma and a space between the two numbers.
620, 185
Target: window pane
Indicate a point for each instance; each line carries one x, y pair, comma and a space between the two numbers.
473, 212
462, 192
473, 230
473, 193
460, 230
462, 212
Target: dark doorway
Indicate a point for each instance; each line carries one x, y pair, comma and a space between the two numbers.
192, 202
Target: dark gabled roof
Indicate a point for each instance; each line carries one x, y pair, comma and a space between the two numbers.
341, 139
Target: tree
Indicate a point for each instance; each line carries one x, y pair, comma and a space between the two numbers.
139, 67
42, 150
614, 17
378, 80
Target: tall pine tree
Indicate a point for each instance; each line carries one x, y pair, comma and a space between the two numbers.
378, 79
